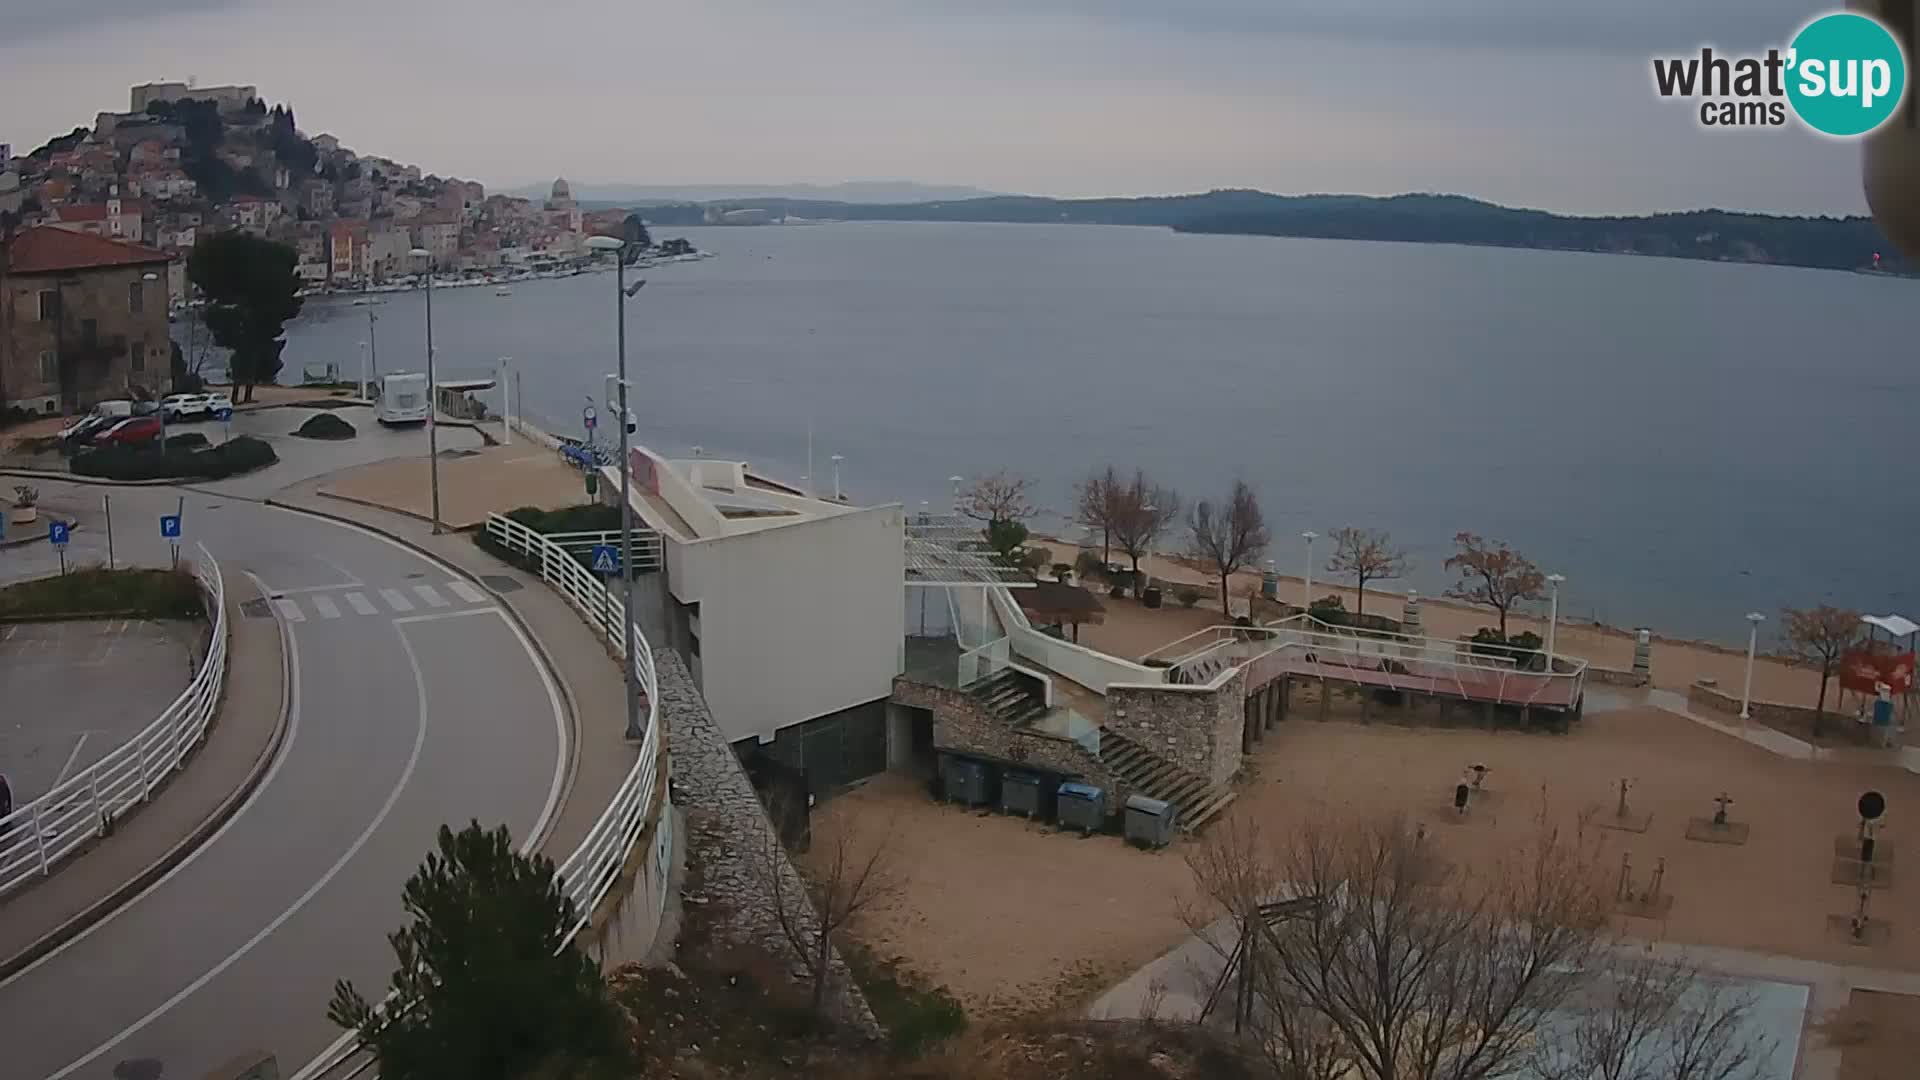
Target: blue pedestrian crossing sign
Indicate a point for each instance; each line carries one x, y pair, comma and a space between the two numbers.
170, 526
57, 532
606, 559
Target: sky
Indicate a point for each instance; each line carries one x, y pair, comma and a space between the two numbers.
1546, 104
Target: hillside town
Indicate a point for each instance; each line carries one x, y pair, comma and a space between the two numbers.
185, 160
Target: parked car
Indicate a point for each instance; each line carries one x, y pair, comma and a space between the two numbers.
78, 431
220, 406
145, 408
183, 406
130, 432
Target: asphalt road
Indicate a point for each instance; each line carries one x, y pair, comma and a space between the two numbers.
415, 703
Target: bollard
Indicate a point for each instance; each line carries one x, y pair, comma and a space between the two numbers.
1643, 652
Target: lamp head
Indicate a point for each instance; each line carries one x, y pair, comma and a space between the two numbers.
605, 243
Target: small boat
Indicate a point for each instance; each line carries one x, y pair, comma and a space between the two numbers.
503, 291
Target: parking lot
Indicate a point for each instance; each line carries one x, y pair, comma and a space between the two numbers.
72, 691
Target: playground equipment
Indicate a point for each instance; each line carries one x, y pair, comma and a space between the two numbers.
1652, 902
1624, 817
1718, 829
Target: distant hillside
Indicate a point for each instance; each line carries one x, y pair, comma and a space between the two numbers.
853, 191
1821, 242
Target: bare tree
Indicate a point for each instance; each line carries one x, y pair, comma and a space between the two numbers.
1820, 635
1392, 965
1093, 506
1647, 1018
1366, 555
998, 496
856, 875
1142, 513
1228, 536
1494, 575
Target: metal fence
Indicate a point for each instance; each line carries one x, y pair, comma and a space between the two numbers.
45, 830
589, 873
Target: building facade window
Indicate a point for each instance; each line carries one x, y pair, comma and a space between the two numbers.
136, 297
49, 366
49, 305
89, 332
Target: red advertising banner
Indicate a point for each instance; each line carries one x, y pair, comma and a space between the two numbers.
1863, 670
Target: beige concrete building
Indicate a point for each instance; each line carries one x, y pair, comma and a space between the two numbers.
83, 318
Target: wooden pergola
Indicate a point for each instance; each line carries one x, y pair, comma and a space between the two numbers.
1051, 603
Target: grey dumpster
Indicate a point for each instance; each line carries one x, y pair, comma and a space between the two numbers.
1082, 806
1150, 822
1020, 793
968, 781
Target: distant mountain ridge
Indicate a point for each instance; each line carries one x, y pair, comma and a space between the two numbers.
852, 191
1830, 243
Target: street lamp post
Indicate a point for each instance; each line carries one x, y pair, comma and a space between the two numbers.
363, 371
621, 293
837, 459
1553, 615
433, 395
1754, 619
1306, 603
506, 402
1139, 589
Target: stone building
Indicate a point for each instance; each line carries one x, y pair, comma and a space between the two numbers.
83, 318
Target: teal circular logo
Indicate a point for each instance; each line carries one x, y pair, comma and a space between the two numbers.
1846, 74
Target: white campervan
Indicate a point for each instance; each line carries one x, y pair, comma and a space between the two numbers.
403, 399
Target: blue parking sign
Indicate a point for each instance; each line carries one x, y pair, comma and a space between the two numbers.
606, 559
57, 533
170, 526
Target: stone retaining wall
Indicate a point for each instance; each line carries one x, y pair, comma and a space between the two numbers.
728, 834
1196, 728
961, 725
1616, 677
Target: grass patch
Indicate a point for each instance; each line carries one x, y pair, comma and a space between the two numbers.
916, 1014
95, 590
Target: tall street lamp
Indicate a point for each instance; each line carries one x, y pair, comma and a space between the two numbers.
1306, 603
616, 246
1754, 619
1553, 616
837, 459
433, 395
363, 371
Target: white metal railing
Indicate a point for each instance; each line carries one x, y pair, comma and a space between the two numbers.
47, 829
648, 550
589, 873
1094, 670
1395, 661
983, 662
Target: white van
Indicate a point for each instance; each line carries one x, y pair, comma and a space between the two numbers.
403, 399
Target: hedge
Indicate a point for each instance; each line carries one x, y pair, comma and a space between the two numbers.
325, 426
146, 594
238, 455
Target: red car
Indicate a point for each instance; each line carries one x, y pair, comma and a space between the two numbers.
129, 432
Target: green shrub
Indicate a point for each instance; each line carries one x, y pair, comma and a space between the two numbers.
915, 1014
238, 455
1188, 596
1329, 609
1087, 566
192, 440
145, 594
325, 426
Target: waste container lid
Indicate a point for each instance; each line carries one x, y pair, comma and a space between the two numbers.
1079, 791
1156, 807
1015, 777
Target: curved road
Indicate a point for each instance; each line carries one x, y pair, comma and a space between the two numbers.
415, 702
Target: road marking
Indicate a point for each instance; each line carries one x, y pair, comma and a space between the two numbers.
71, 758
290, 653
443, 616
393, 797
467, 592
323, 588
430, 595
396, 599
361, 605
325, 606
344, 572
289, 609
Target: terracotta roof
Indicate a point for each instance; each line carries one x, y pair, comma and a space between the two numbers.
48, 249
97, 211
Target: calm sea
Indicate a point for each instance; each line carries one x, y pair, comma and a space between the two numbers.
1684, 441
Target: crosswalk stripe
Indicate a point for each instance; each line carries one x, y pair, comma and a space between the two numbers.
361, 605
396, 599
467, 592
289, 610
430, 595
325, 606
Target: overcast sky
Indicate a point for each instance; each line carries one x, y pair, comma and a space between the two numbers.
1503, 99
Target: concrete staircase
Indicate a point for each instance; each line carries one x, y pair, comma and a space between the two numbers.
1010, 697
1149, 774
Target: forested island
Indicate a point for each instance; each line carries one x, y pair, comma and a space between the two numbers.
1830, 243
